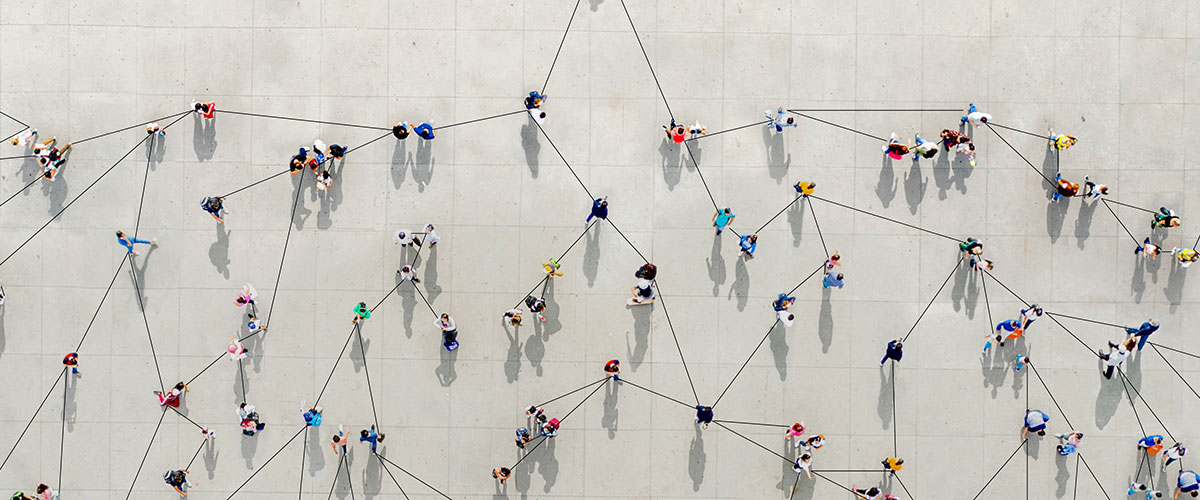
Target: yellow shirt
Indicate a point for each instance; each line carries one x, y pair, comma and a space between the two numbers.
893, 464
806, 188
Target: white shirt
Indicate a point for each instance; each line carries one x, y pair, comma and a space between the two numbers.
447, 325
407, 275
403, 237
978, 116
1117, 356
25, 137
245, 411
430, 236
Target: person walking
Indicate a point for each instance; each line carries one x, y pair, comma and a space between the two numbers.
643, 293
895, 149
246, 296
513, 316
236, 349
779, 119
1035, 421
722, 218
677, 133
215, 206
1091, 190
523, 438
45, 492
1147, 249
501, 474
975, 117
892, 465
613, 368
704, 415
1029, 315
1185, 256
71, 360
895, 351
431, 236
696, 130
1063, 188
971, 248
205, 109
129, 242
407, 273
1060, 142
1189, 483
449, 332
177, 479
1013, 326
324, 180
400, 130
1136, 487
872, 493
805, 188
339, 441
814, 442
311, 414
1117, 354
748, 244
794, 433
171, 398
552, 267
155, 129
804, 464
406, 238
371, 436
1143, 332
832, 280
599, 209
924, 149
250, 421
1150, 444
1164, 218
361, 313
24, 137
537, 306
833, 261
1172, 454
1068, 443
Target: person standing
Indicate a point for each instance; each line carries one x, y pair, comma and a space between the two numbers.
236, 349
599, 209
215, 206
704, 415
71, 360
129, 242
895, 351
449, 332
794, 433
324, 180
1174, 453
1188, 482
431, 237
643, 293
501, 474
1143, 332
805, 188
722, 218
361, 313
892, 465
513, 316
1011, 325
523, 437
748, 244
1151, 444
613, 367
400, 130
537, 306
155, 129
406, 238
1117, 353
677, 133
407, 273
311, 414
339, 440
832, 280
177, 479
426, 131
205, 109
45, 492
552, 267
1035, 420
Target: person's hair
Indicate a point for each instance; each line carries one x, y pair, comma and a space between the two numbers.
362, 304
840, 275
899, 461
931, 153
835, 257
42, 487
180, 385
445, 316
983, 119
791, 119
243, 405
1041, 432
754, 237
604, 203
364, 433
727, 210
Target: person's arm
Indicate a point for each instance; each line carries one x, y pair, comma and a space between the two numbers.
714, 217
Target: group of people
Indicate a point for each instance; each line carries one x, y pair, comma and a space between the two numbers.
48, 155
795, 435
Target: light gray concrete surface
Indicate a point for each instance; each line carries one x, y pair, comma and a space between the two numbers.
1119, 75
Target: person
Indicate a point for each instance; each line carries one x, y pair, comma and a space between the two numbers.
697, 130
1147, 249
1185, 256
324, 180
704, 415
449, 332
171, 398
400, 130
215, 206
299, 160
1035, 420
971, 248
1068, 443
783, 302
1150, 444
832, 280
980, 265
1091, 190
804, 463
648, 271
924, 148
722, 218
1189, 483
677, 133
24, 137
1012, 325
155, 129
894, 351
407, 273
1136, 487
535, 411
872, 493
550, 428
337, 151
805, 188
371, 436
1164, 218
894, 148
431, 236
205, 109
513, 316
236, 349
311, 414
814, 442
129, 242
551, 266
599, 209
960, 142
794, 433
1063, 188
1060, 142
1030, 314
406, 238
537, 305
253, 325
501, 474
361, 313
49, 156
643, 293
1175, 452
247, 295
1143, 332
975, 116
833, 261
1020, 362
426, 131
779, 119
613, 367
45, 492
1117, 353
250, 419
534, 100
71, 360
748, 244
20, 495
339, 441
523, 438
319, 149
177, 479
892, 465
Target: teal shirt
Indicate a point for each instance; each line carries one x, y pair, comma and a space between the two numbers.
723, 219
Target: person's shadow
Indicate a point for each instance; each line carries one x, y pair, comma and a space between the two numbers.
445, 372
204, 136
218, 252
697, 459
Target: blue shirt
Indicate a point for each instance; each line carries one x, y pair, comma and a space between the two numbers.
723, 219
1148, 441
1035, 419
1010, 325
1145, 329
1188, 479
832, 280
599, 210
747, 245
311, 417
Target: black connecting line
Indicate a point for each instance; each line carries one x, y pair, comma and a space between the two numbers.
1010, 146
146, 454
563, 419
934, 298
1114, 214
889, 219
748, 125
859, 132
560, 46
1010, 457
264, 465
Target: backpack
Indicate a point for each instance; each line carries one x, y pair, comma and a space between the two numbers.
554, 423
173, 477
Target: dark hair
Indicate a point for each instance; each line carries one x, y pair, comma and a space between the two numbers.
1042, 432
364, 433
931, 153
728, 210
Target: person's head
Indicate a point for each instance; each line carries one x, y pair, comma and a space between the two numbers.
835, 257
840, 276
604, 204
41, 488
1041, 432
337, 439
47, 174
753, 238
945, 133
806, 457
983, 119
798, 427
791, 120
727, 211
445, 317
362, 305
364, 433
180, 386
899, 461
930, 153
791, 317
